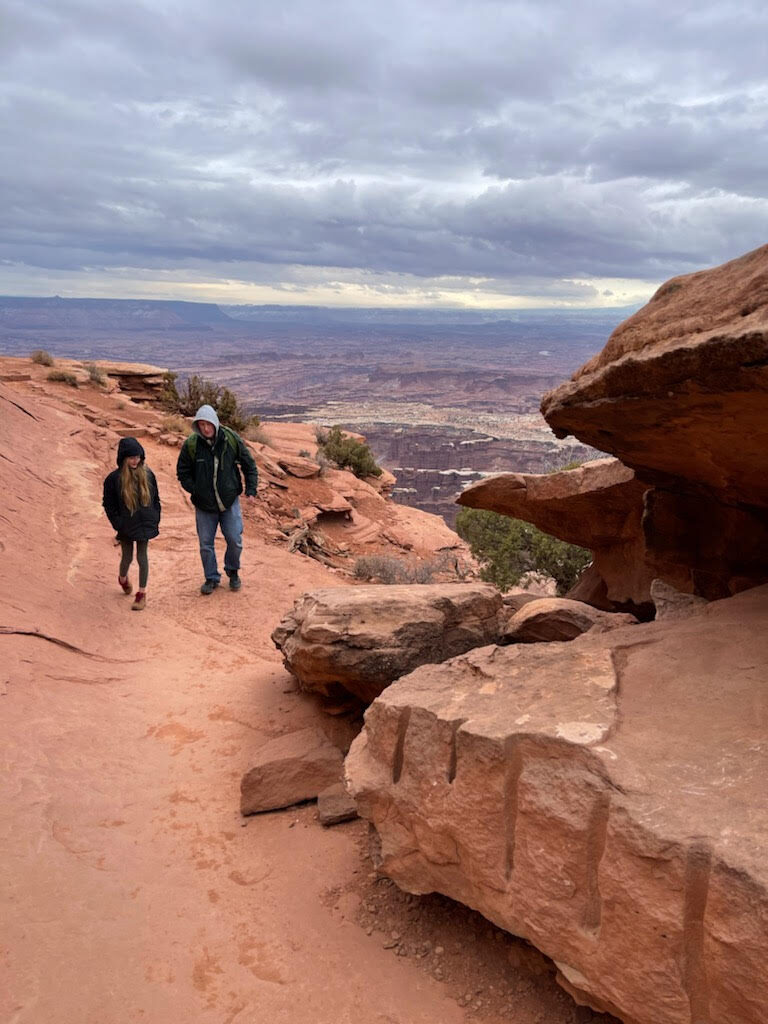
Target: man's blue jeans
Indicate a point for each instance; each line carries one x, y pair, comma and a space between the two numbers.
231, 522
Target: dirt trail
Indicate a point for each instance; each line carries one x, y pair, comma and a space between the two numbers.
133, 890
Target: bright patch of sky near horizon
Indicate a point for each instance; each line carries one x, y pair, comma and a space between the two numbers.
503, 154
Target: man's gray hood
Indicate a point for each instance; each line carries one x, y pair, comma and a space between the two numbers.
208, 413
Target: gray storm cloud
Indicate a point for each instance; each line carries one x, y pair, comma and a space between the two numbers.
527, 144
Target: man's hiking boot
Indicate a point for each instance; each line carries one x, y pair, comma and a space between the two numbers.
234, 581
125, 583
209, 586
139, 602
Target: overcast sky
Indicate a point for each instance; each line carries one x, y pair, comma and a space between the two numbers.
430, 152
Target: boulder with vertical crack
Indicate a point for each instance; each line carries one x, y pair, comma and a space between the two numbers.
604, 799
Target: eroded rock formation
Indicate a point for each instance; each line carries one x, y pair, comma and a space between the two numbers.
679, 394
361, 638
602, 798
598, 505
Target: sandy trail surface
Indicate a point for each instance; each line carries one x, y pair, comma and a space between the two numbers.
132, 888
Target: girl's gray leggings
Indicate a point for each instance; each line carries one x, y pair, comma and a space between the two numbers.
126, 547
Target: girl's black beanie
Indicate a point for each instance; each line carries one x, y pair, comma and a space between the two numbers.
128, 446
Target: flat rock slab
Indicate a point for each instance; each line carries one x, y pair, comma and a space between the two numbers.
557, 619
604, 799
288, 770
361, 638
335, 805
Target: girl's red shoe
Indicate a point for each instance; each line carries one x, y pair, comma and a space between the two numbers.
139, 602
125, 584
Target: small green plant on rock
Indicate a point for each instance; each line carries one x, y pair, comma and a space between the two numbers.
348, 453
41, 357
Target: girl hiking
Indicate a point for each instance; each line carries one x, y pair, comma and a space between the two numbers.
132, 504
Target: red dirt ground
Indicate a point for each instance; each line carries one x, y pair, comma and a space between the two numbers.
133, 889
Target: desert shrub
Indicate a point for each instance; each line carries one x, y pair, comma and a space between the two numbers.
382, 567
255, 432
42, 357
348, 453
169, 395
389, 570
197, 391
304, 454
62, 377
95, 374
174, 424
573, 464
508, 548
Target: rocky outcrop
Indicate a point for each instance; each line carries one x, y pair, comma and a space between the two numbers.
552, 619
140, 380
598, 506
603, 799
361, 638
679, 395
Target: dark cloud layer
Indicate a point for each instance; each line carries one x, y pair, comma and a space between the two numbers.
530, 146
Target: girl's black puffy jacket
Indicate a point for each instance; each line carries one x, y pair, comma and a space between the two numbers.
144, 522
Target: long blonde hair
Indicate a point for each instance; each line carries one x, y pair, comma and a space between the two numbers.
134, 486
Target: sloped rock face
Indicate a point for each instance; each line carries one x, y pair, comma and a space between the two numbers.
598, 506
361, 638
679, 395
603, 799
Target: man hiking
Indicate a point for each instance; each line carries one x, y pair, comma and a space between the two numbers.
209, 468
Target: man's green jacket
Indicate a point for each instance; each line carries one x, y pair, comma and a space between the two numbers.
211, 472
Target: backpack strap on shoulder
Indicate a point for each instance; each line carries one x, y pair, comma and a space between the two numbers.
231, 437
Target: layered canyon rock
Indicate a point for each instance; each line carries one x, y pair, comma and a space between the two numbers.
598, 506
603, 799
361, 638
558, 619
679, 394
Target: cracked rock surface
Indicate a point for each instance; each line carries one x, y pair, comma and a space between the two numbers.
602, 798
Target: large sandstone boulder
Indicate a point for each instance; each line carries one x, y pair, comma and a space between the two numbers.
361, 638
604, 799
679, 394
598, 506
